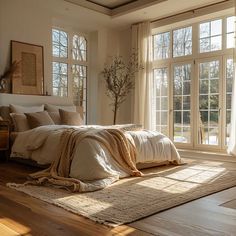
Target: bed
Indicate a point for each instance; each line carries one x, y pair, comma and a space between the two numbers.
92, 162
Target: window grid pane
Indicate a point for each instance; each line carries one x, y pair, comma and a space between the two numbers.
181, 103
60, 79
229, 83
79, 50
209, 76
230, 32
79, 78
210, 36
182, 42
59, 43
162, 108
161, 46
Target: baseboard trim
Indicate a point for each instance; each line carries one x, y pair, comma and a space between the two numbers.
206, 155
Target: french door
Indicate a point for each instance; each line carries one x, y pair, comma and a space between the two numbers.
209, 94
182, 81
193, 102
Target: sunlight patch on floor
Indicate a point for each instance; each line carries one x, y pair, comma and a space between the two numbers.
83, 202
186, 179
6, 224
168, 185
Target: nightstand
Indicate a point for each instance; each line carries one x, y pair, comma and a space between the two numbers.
4, 139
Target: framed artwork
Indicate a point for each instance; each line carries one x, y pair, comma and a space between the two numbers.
30, 76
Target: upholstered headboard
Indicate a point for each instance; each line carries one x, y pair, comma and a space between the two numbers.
6, 99
28, 100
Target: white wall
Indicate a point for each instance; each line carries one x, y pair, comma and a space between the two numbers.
31, 21
119, 43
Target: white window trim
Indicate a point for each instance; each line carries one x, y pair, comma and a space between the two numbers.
194, 58
70, 61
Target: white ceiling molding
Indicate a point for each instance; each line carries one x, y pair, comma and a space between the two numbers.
91, 6
134, 6
111, 4
120, 10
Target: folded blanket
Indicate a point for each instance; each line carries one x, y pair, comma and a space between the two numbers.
120, 148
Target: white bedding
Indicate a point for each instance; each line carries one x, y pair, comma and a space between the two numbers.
91, 160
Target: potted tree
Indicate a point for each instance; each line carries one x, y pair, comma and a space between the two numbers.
119, 80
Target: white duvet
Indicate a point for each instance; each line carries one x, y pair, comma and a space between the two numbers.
91, 160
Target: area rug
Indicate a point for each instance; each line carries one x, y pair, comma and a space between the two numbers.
133, 198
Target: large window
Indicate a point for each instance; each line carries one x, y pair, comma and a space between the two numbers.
193, 74
70, 67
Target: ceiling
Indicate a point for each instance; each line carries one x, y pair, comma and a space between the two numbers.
111, 4
126, 15
115, 8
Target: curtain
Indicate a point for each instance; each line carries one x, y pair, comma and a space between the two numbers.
142, 45
232, 138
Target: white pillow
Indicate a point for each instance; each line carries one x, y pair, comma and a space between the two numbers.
53, 108
25, 109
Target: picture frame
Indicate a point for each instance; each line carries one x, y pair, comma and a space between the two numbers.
30, 76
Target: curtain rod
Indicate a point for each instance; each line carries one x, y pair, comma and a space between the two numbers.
189, 11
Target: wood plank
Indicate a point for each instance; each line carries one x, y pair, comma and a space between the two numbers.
204, 216
21, 214
5, 231
27, 215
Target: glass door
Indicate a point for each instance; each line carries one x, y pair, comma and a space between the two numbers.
229, 76
161, 84
182, 115
209, 102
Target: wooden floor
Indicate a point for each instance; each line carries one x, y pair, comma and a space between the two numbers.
21, 214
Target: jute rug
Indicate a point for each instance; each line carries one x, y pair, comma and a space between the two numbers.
133, 198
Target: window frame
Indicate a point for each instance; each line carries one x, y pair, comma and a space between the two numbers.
70, 62
220, 109
196, 56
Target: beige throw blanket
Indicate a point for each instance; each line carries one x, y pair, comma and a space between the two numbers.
120, 148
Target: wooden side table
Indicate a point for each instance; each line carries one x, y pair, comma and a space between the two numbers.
4, 139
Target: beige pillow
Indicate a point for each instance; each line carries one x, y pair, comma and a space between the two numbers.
20, 122
70, 118
55, 117
25, 109
39, 119
54, 108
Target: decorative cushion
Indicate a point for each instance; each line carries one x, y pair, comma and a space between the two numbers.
70, 118
55, 117
39, 119
54, 108
25, 109
20, 122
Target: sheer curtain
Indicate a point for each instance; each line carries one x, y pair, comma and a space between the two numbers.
232, 139
142, 45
